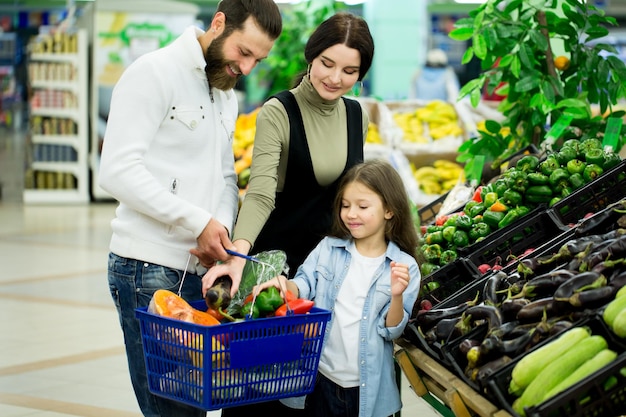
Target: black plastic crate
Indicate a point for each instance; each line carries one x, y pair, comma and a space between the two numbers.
428, 213
531, 231
593, 197
586, 398
451, 278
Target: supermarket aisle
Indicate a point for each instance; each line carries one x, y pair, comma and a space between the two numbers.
61, 349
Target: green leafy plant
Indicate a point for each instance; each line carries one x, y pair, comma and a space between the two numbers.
513, 39
286, 59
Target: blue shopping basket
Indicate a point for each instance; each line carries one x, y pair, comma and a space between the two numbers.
246, 362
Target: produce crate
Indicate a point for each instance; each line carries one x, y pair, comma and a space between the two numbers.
592, 197
246, 362
531, 231
451, 278
586, 398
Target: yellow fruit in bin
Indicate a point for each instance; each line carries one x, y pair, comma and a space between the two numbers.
373, 134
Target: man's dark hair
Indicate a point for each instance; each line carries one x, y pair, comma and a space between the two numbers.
265, 13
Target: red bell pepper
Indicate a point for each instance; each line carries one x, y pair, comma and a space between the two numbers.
298, 306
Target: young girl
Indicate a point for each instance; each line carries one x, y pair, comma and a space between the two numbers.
367, 273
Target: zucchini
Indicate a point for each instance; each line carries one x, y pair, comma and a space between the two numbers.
621, 292
532, 363
612, 309
559, 369
599, 361
619, 324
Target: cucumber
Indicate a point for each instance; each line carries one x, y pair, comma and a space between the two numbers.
621, 292
612, 309
599, 361
530, 365
619, 324
559, 369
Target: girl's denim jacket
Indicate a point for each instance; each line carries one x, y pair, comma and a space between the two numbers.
320, 278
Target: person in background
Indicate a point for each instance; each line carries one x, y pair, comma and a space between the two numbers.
366, 272
306, 139
436, 80
167, 158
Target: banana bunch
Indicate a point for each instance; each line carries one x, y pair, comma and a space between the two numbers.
373, 134
438, 178
440, 117
243, 144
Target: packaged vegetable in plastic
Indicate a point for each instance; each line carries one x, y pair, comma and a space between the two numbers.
273, 263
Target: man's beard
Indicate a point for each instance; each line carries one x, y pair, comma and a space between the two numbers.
216, 66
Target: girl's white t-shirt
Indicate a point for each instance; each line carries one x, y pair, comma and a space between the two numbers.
339, 359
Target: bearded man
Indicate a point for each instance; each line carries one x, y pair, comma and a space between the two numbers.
167, 159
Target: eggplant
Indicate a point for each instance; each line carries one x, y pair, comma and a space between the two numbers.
616, 250
547, 283
593, 298
486, 312
492, 286
488, 369
445, 328
512, 346
535, 310
218, 296
560, 326
618, 279
426, 319
511, 306
578, 283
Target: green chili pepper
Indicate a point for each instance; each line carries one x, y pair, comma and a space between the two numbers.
480, 229
549, 165
512, 198
566, 154
538, 194
595, 156
527, 163
432, 228
448, 256
269, 300
513, 215
553, 201
537, 178
576, 180
559, 179
576, 166
492, 218
448, 232
460, 238
591, 172
464, 222
432, 253
434, 237
490, 198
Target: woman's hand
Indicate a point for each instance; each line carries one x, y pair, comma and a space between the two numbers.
399, 278
233, 268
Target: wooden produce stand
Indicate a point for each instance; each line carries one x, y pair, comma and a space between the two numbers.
447, 393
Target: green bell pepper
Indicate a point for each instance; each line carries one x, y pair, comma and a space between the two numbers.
518, 181
492, 218
428, 268
269, 300
434, 237
559, 179
538, 194
611, 160
460, 238
250, 310
513, 215
476, 210
448, 256
464, 222
588, 144
512, 198
566, 154
490, 198
549, 165
571, 143
527, 163
576, 166
432, 253
591, 172
576, 180
537, 178
480, 230
595, 156
448, 232
500, 186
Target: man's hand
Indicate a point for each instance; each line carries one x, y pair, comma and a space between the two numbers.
211, 243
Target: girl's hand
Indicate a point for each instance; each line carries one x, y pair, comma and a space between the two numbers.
399, 278
279, 282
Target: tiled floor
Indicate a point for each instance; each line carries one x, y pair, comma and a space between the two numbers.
61, 348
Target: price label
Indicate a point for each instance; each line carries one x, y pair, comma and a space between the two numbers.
556, 131
612, 134
475, 172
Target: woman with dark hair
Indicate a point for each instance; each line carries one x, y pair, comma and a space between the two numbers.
306, 139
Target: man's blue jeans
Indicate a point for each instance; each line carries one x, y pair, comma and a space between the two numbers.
132, 284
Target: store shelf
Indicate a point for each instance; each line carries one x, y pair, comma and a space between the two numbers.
57, 169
